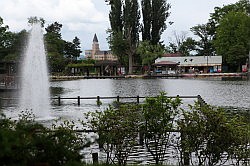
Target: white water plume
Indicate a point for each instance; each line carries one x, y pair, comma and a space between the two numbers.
34, 95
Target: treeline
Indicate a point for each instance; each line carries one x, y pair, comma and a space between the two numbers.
59, 51
227, 33
197, 135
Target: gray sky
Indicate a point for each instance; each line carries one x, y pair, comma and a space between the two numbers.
84, 18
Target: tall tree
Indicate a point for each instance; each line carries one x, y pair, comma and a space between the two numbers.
131, 16
159, 15
116, 40
147, 19
233, 39
124, 33
155, 14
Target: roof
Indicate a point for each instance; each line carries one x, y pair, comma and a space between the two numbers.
95, 38
178, 54
165, 63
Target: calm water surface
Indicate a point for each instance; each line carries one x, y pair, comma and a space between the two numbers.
215, 91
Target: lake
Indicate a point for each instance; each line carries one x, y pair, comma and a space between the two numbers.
217, 91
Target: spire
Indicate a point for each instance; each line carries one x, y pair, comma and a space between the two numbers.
95, 38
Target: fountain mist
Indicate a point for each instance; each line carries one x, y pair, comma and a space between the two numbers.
34, 95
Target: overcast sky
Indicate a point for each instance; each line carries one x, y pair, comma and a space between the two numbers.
84, 18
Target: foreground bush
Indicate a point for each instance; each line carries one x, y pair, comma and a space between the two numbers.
25, 142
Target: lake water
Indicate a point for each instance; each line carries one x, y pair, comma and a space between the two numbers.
217, 91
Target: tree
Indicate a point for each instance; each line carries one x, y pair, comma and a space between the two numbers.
149, 52
233, 39
205, 33
55, 47
182, 44
203, 130
72, 49
4, 39
159, 15
117, 129
159, 118
34, 20
124, 30
155, 14
147, 19
131, 18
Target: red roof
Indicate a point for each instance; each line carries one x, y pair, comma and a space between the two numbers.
172, 55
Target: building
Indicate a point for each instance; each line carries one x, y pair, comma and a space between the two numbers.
188, 64
106, 63
97, 54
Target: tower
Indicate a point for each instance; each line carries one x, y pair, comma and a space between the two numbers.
95, 46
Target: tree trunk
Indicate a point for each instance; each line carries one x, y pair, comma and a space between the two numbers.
130, 63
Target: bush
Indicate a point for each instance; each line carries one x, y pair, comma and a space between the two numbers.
25, 142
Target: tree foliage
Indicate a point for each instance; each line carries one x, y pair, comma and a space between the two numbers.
233, 39
203, 132
26, 142
149, 52
205, 34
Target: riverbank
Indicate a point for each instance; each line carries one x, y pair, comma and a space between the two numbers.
58, 78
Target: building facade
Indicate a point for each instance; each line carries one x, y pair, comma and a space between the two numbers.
97, 54
189, 64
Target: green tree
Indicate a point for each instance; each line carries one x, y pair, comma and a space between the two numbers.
72, 49
55, 47
149, 52
124, 29
159, 15
35, 19
5, 39
233, 39
188, 46
155, 14
117, 129
205, 34
131, 18
203, 131
159, 122
147, 19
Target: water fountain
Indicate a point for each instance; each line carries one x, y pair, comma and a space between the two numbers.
34, 94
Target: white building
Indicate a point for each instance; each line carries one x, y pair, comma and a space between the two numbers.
189, 63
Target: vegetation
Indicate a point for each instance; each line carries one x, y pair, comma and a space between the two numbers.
124, 32
25, 142
201, 135
198, 135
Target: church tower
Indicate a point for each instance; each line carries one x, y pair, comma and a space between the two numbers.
95, 46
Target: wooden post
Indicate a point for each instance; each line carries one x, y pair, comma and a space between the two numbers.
98, 100
95, 158
78, 100
59, 100
138, 99
118, 99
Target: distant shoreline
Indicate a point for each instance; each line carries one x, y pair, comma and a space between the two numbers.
58, 78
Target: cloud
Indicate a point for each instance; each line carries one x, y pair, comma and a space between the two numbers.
75, 14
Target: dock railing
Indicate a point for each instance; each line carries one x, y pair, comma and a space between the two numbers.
136, 99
